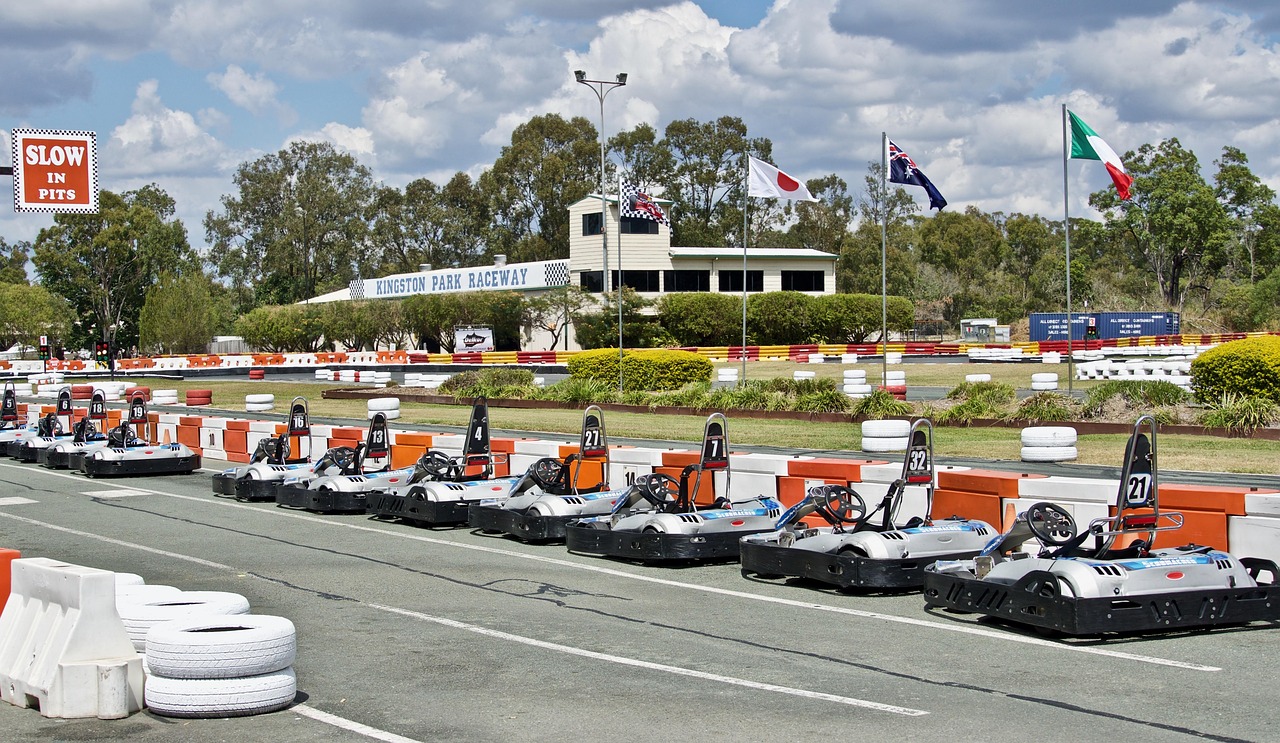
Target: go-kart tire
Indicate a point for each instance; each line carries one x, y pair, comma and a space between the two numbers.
885, 429
1049, 436
221, 646
139, 617
260, 398
896, 443
232, 697
258, 407
1048, 453
384, 403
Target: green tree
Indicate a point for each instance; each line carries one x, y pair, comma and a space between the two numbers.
644, 159
552, 311
859, 267
778, 318
431, 318
1250, 204
13, 261
823, 225
277, 329
1173, 223
104, 263
599, 328
357, 325
181, 314
709, 167
702, 318
28, 311
445, 227
298, 226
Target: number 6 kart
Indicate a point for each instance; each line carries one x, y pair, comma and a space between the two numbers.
552, 492
1107, 587
660, 519
85, 437
856, 551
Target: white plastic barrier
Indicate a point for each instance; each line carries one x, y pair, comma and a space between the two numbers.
63, 647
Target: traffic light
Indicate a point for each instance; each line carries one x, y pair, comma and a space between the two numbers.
44, 352
102, 351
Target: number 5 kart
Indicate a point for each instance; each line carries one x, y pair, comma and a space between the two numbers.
857, 550
1114, 584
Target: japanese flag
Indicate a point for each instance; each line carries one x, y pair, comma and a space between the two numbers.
767, 181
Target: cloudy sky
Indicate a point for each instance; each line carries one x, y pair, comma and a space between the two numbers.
181, 92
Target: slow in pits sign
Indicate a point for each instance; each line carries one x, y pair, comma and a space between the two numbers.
55, 171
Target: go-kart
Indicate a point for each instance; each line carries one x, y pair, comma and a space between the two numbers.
443, 487
1113, 584
271, 461
346, 489
85, 437
50, 429
126, 454
553, 492
857, 550
11, 428
660, 518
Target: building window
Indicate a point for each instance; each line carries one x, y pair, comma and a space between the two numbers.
731, 281
591, 224
802, 281
687, 281
641, 281
592, 281
638, 226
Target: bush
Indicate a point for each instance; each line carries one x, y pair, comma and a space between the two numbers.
1241, 414
881, 404
1140, 394
1243, 368
778, 318
496, 383
657, 369
702, 318
1045, 406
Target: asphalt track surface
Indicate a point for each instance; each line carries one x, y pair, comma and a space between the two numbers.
409, 634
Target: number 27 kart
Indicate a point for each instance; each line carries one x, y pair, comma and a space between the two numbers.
1107, 587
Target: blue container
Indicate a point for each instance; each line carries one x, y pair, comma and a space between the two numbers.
1052, 326
1129, 324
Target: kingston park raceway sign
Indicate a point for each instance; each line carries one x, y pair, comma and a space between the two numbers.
55, 171
515, 277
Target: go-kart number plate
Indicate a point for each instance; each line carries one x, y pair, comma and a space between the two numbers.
592, 442
714, 455
1138, 490
918, 469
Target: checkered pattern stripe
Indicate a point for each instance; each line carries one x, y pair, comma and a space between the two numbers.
556, 274
356, 288
15, 135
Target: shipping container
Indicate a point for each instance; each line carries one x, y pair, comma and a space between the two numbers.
1052, 326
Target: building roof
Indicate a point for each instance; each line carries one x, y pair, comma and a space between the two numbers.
777, 253
614, 199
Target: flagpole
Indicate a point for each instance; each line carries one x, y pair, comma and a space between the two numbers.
1066, 231
746, 188
619, 281
884, 259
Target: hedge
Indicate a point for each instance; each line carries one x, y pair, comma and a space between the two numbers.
656, 369
1245, 368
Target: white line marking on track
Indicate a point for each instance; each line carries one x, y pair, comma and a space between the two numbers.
118, 493
348, 725
964, 629
16, 500
498, 634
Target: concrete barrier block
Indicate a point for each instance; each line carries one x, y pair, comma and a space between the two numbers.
1254, 536
63, 648
1056, 488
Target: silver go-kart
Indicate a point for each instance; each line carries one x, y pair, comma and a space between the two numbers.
346, 490
128, 455
1090, 582
272, 460
50, 429
85, 437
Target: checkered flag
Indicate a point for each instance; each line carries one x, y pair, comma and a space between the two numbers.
356, 288
636, 203
556, 273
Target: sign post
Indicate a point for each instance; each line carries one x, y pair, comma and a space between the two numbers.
55, 170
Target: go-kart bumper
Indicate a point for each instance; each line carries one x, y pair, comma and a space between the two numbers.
766, 559
654, 546
11, 448
417, 509
55, 459
27, 454
1036, 600
320, 501
129, 467
253, 489
525, 526
224, 483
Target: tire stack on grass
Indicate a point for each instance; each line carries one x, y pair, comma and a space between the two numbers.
259, 403
1044, 382
727, 376
855, 383
885, 435
1049, 444
199, 397
129, 392
164, 397
977, 377
895, 383
221, 666
388, 406
81, 392
257, 374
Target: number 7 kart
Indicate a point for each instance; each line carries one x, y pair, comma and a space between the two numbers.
1114, 584
855, 550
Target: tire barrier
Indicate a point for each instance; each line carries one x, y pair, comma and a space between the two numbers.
129, 392
257, 374
63, 648
977, 377
199, 397
220, 647
140, 616
164, 397
727, 375
855, 383
81, 392
236, 697
885, 435
1044, 382
1049, 444
259, 403
388, 406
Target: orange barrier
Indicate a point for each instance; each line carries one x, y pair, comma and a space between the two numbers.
7, 556
408, 448
976, 493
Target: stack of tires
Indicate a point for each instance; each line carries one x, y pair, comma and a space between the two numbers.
129, 392
802, 375
727, 375
1049, 444
388, 406
1044, 382
855, 383
257, 374
895, 383
81, 391
199, 397
885, 435
164, 397
259, 403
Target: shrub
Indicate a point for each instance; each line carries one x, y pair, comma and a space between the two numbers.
1045, 406
1135, 392
881, 404
1241, 414
702, 318
657, 369
581, 391
778, 318
496, 383
1245, 368
822, 401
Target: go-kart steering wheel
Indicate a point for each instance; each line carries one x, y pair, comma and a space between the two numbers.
1051, 524
546, 471
838, 504
660, 490
436, 465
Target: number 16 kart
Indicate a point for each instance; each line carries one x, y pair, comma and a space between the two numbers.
1113, 585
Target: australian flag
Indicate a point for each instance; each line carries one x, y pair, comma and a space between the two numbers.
636, 203
902, 169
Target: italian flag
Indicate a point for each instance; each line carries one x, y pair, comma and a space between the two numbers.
1087, 145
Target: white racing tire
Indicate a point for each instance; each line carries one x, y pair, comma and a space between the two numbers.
897, 443
389, 414
232, 697
885, 429
138, 594
1044, 377
259, 398
856, 388
221, 646
258, 407
1044, 386
977, 377
384, 403
140, 616
1048, 453
1049, 436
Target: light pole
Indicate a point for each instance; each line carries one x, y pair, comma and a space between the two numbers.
602, 88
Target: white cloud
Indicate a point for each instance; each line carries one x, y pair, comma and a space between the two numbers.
357, 141
254, 93
156, 140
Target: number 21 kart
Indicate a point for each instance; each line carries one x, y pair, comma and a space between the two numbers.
1108, 586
